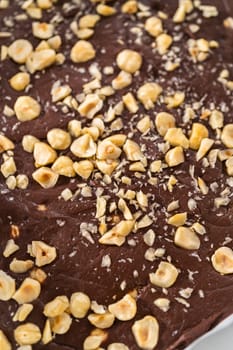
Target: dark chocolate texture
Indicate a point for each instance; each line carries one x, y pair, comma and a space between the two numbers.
78, 264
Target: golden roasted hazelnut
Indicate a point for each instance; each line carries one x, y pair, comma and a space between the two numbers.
21, 266
61, 324
4, 342
129, 61
222, 260
84, 168
28, 143
131, 7
198, 133
43, 253
20, 81
22, 181
10, 248
26, 108
84, 147
107, 166
55, 42
47, 336
43, 154
63, 165
163, 122
122, 80
5, 144
44, 4
56, 307
11, 182
60, 92
163, 304
124, 309
227, 135
144, 124
176, 137
204, 148
175, 100
23, 312
40, 60
163, 41
42, 30
27, 334
90, 106
156, 166
148, 94
154, 26
38, 274
101, 321
133, 151
94, 340
7, 286
88, 21
79, 304
46, 177
146, 332
8, 167
28, 291
165, 276
116, 236
93, 131
177, 219
130, 102
216, 120
43, 45
186, 238
107, 150
105, 10
175, 156
58, 139
19, 50
118, 346
75, 127
82, 51
229, 166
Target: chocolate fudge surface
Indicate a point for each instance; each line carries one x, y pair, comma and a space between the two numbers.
188, 64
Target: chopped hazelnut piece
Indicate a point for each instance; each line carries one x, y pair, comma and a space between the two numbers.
175, 156
199, 132
164, 41
27, 334
154, 26
8, 167
133, 151
5, 144
63, 165
47, 336
124, 309
129, 61
94, 340
42, 30
28, 291
204, 148
21, 266
177, 219
165, 276
216, 120
107, 166
4, 342
22, 181
90, 106
101, 321
186, 238
43, 154
20, 50
40, 60
44, 4
118, 346
144, 124
55, 42
84, 168
175, 100
130, 7
23, 312
156, 166
88, 21
130, 102
46, 177
28, 143
82, 51
229, 166
108, 150
84, 147
74, 128
79, 304
116, 236
56, 307
7, 286
222, 260
227, 135
105, 10
164, 121
148, 94
10, 248
43, 253
26, 108
61, 324
163, 304
146, 332
60, 92
122, 80
176, 137
38, 274
20, 81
